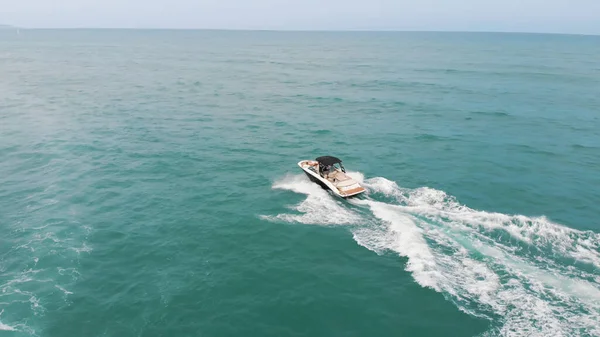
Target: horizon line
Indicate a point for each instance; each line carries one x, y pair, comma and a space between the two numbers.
305, 30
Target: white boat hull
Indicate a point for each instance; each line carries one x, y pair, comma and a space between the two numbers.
345, 188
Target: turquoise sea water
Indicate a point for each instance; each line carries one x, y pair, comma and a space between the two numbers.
149, 187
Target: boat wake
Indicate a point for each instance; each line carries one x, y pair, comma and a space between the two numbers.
527, 275
318, 207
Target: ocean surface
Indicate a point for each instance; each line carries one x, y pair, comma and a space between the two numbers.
149, 184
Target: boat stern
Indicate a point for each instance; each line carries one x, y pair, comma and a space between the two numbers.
351, 190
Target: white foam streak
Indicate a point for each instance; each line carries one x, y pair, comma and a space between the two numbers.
403, 236
428, 266
4, 327
65, 291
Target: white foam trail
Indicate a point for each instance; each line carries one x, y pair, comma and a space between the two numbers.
489, 264
401, 234
319, 207
459, 254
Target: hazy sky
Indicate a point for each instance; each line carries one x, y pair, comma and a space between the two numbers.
566, 16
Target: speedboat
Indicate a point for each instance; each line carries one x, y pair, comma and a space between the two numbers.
329, 172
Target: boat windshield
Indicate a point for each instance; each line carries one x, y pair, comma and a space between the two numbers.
340, 167
326, 169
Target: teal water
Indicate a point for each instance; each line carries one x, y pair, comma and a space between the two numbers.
149, 187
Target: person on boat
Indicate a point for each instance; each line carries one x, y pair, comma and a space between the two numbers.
326, 170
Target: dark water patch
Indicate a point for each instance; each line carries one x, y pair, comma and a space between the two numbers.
503, 74
327, 83
370, 111
307, 124
491, 113
430, 138
322, 132
390, 104
528, 149
585, 147
378, 84
232, 151
292, 133
112, 183
547, 76
321, 99
188, 119
445, 71
11, 149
